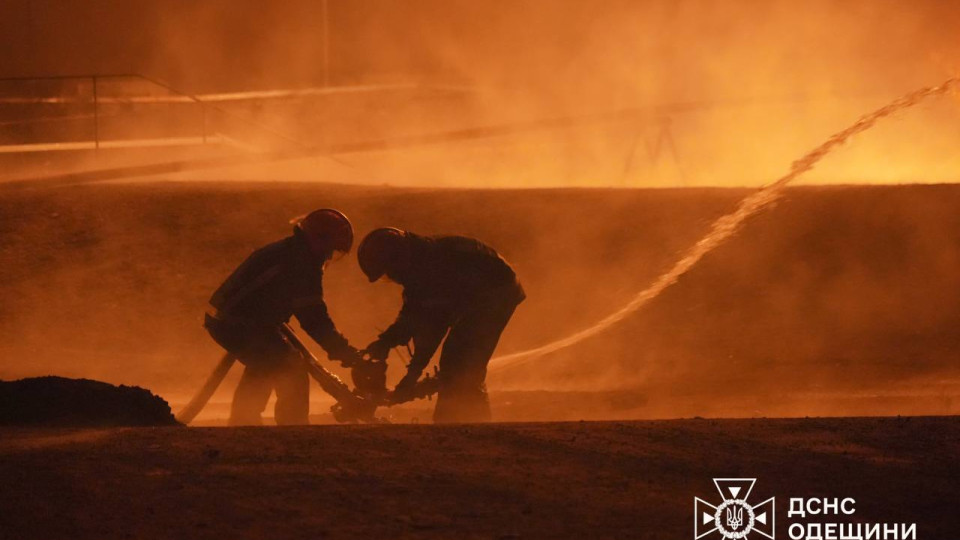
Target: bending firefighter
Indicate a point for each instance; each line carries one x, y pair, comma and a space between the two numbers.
276, 282
452, 286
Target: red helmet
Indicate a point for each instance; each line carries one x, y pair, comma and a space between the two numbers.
381, 251
326, 230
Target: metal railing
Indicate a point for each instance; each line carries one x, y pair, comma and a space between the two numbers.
73, 112
118, 110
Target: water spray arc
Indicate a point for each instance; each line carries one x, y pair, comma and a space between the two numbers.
726, 226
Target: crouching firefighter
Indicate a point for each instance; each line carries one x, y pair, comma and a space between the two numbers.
252, 306
453, 286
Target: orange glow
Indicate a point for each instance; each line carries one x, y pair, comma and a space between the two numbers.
516, 105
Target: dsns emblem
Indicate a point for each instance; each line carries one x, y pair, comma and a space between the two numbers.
734, 518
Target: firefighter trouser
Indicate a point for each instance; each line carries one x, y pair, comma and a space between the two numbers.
463, 362
270, 363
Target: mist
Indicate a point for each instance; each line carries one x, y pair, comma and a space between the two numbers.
652, 94
511, 108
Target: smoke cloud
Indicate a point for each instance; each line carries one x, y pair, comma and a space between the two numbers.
839, 291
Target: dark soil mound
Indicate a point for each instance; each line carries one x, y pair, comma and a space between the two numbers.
56, 401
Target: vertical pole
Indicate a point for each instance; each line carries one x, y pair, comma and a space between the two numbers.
628, 162
325, 14
96, 116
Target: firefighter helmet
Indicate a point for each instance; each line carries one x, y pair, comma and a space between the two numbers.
382, 251
326, 230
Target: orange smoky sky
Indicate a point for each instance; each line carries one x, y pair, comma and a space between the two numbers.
719, 92
836, 291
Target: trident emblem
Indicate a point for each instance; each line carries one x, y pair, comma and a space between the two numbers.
735, 517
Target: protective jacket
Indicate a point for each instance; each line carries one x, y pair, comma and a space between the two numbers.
448, 278
280, 280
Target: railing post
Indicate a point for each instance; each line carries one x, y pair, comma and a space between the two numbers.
325, 15
96, 116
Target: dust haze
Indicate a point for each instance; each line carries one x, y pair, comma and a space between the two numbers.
694, 93
841, 300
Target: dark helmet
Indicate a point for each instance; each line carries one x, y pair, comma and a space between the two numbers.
326, 230
382, 251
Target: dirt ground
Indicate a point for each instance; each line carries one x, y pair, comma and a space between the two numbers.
543, 480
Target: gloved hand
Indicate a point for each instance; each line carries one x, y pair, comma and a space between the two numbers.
348, 356
370, 378
377, 351
404, 390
